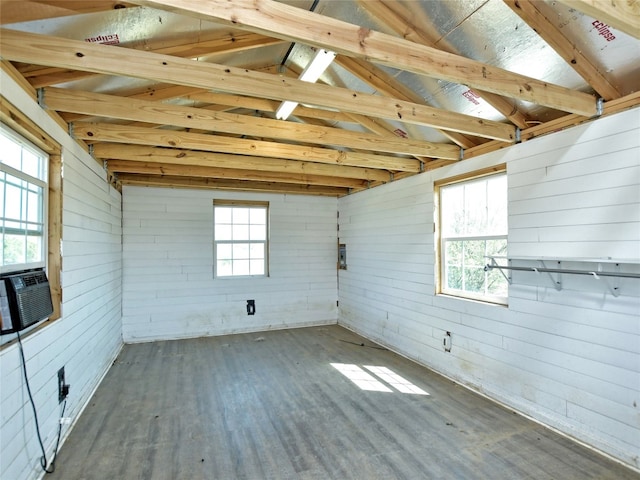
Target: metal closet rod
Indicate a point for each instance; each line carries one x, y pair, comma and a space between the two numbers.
565, 270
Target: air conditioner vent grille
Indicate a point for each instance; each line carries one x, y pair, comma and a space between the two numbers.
28, 300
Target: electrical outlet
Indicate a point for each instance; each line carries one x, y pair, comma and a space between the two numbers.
63, 387
251, 307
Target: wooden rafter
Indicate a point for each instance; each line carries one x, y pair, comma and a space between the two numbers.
60, 52
294, 24
104, 132
13, 11
530, 12
124, 166
399, 19
175, 156
204, 45
265, 105
623, 15
100, 105
387, 85
225, 184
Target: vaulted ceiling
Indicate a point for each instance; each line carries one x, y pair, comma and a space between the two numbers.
184, 92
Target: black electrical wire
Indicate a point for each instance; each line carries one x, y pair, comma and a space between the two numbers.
43, 459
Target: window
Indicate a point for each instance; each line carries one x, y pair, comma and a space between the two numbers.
240, 238
473, 227
23, 203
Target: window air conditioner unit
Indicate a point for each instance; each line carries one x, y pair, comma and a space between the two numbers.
25, 299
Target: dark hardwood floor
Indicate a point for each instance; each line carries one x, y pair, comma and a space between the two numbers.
271, 406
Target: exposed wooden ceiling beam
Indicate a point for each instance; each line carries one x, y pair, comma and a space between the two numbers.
205, 45
265, 105
294, 24
623, 15
224, 184
123, 166
60, 52
530, 12
100, 105
175, 156
394, 15
16, 11
387, 85
105, 132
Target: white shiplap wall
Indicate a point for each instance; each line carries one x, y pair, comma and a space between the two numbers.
88, 336
169, 290
569, 358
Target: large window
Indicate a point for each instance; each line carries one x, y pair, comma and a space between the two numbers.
23, 203
473, 228
240, 238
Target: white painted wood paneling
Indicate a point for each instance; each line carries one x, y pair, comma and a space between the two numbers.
168, 284
88, 336
569, 358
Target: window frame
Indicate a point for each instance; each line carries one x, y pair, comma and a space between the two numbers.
440, 264
15, 120
42, 183
241, 204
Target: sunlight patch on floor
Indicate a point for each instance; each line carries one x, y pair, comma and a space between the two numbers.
369, 382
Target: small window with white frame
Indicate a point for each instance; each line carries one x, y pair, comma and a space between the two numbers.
472, 229
241, 238
23, 203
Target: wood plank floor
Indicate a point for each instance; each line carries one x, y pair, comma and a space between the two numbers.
271, 406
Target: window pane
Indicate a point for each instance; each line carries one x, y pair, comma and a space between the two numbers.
223, 251
240, 232
223, 232
224, 268
256, 250
223, 215
475, 208
474, 253
240, 215
257, 267
258, 232
30, 163
452, 210
453, 252
34, 248
473, 280
497, 248
33, 207
240, 251
14, 202
258, 216
10, 152
496, 283
454, 277
14, 249
241, 267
